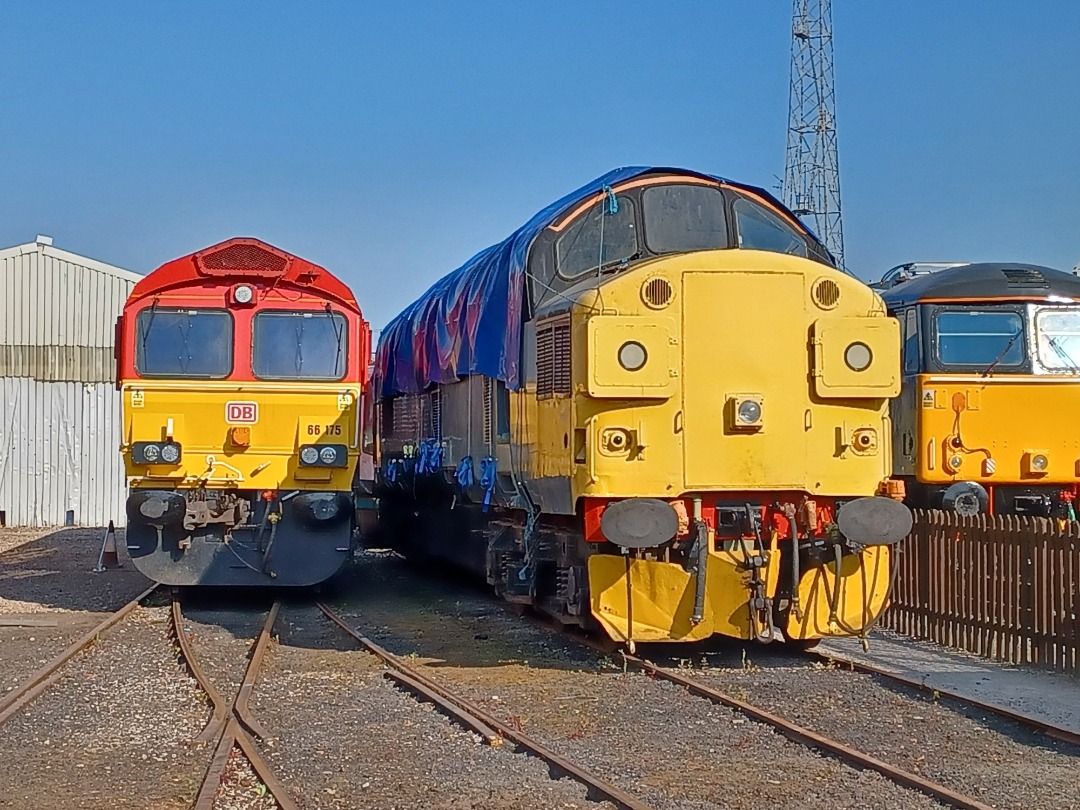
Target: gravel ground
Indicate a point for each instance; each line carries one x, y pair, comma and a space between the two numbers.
46, 580
115, 732
651, 738
995, 760
349, 738
240, 788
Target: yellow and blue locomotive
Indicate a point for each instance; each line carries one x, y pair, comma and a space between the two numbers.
240, 369
986, 419
658, 407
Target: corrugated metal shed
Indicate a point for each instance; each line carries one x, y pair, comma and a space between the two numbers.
59, 410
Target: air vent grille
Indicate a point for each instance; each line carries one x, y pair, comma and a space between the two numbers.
1025, 278
826, 293
243, 259
553, 358
406, 417
489, 410
657, 292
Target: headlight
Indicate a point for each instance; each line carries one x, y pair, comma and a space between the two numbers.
1039, 463
151, 452
749, 412
858, 356
632, 355
243, 294
170, 453
328, 455
309, 455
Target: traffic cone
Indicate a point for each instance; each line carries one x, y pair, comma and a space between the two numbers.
108, 557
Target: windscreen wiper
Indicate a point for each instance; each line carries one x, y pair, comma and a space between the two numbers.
1059, 350
1005, 351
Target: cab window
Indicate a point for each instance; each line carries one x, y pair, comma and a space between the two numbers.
761, 229
1058, 335
980, 338
605, 235
183, 343
911, 341
298, 346
682, 218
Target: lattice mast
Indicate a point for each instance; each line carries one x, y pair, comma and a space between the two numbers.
812, 171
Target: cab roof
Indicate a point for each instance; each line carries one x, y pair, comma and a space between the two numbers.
987, 281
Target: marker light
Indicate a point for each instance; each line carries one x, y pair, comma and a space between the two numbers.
170, 453
328, 455
632, 355
1039, 463
858, 356
309, 455
151, 453
243, 294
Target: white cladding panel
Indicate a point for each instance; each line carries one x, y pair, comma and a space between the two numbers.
59, 452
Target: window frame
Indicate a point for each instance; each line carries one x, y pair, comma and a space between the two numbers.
157, 310
725, 204
1037, 311
621, 198
286, 378
934, 336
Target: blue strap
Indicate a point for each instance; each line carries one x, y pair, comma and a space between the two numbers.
487, 479
612, 201
431, 457
464, 474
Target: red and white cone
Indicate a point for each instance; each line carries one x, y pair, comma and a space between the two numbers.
109, 558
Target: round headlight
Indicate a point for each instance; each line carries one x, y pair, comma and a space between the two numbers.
858, 356
170, 453
1039, 462
749, 412
328, 455
243, 294
632, 355
151, 452
309, 455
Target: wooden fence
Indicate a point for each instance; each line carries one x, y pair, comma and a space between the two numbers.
1004, 587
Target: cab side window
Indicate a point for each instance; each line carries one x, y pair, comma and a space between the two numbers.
761, 229
910, 323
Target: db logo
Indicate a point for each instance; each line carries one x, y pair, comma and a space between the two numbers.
241, 413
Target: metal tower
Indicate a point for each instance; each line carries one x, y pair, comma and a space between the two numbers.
812, 172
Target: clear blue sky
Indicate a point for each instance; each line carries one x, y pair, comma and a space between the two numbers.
391, 141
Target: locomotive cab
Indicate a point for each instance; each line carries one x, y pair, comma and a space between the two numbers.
240, 375
991, 386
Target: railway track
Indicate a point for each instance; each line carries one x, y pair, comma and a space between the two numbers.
232, 724
48, 675
476, 719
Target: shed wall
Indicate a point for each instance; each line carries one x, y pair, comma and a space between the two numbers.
60, 425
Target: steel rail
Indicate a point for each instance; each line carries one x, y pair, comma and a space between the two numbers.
473, 717
805, 736
231, 725
1049, 729
46, 676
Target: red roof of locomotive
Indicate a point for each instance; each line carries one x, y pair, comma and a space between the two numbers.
244, 259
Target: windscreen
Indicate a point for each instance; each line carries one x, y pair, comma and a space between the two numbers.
682, 218
604, 235
972, 338
1057, 332
298, 346
183, 343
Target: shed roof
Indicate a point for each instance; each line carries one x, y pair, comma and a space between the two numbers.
67, 256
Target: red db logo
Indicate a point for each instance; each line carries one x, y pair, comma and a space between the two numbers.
241, 413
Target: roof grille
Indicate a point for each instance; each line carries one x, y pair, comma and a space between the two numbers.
243, 258
1025, 278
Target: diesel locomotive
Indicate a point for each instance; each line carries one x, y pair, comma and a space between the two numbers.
657, 407
991, 387
241, 368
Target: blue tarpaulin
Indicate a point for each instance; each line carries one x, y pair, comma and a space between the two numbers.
470, 321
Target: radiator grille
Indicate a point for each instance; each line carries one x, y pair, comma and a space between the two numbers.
826, 293
553, 358
243, 258
489, 410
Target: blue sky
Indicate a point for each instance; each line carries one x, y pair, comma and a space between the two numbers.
390, 141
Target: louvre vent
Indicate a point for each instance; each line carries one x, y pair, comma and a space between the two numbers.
1025, 278
406, 418
553, 358
435, 408
489, 410
243, 258
657, 292
826, 293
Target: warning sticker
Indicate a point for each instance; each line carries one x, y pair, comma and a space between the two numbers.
137, 398
928, 398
